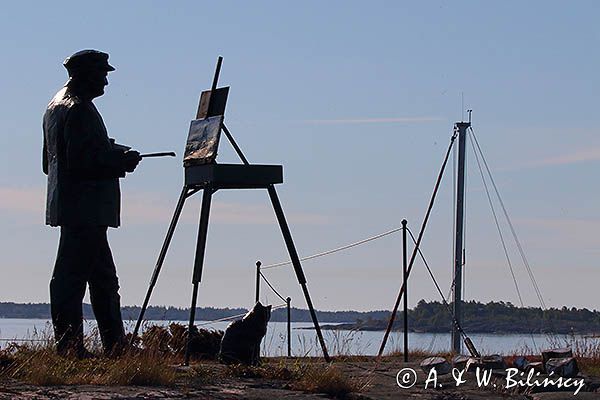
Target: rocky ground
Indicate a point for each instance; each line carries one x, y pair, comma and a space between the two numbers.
378, 378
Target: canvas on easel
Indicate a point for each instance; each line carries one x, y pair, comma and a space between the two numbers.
203, 141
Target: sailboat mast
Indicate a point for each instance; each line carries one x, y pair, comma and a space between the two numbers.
459, 234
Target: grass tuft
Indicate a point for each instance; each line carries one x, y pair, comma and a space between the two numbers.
278, 371
42, 366
418, 354
304, 376
329, 380
137, 370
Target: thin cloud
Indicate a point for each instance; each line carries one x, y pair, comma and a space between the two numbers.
349, 121
151, 208
22, 200
583, 155
564, 232
575, 224
574, 157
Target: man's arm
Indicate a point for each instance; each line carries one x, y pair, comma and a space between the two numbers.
87, 156
45, 156
117, 146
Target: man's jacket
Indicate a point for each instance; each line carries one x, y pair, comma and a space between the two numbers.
82, 165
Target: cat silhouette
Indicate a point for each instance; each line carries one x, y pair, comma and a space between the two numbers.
241, 341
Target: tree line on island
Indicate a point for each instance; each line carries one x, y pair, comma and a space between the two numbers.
433, 317
493, 317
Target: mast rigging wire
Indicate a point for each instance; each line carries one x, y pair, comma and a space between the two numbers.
487, 192
512, 229
491, 203
437, 286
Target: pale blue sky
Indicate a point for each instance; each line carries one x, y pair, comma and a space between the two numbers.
357, 101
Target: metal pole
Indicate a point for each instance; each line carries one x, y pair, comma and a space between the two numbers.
186, 360
202, 233
216, 77
289, 326
459, 235
405, 284
257, 290
159, 262
416, 249
235, 145
289, 242
198, 263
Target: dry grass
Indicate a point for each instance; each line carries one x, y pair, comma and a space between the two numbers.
587, 351
199, 375
172, 340
329, 380
152, 364
418, 354
306, 376
277, 371
42, 366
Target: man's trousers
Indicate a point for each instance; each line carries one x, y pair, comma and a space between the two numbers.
84, 258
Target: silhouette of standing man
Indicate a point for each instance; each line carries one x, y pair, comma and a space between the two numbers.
83, 166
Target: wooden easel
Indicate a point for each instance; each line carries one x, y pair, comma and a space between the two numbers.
209, 178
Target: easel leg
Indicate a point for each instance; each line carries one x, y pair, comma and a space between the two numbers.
198, 263
161, 259
191, 324
287, 237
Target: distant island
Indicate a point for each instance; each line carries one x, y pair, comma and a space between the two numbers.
433, 317
162, 313
493, 317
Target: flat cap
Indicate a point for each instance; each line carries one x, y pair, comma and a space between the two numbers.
86, 60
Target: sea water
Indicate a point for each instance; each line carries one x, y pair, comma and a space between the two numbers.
304, 340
